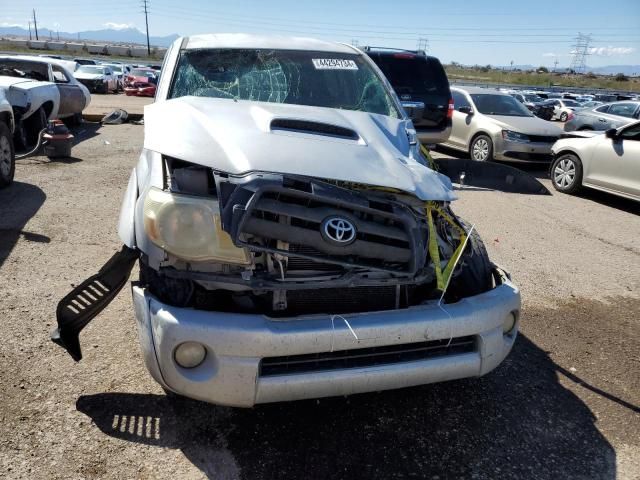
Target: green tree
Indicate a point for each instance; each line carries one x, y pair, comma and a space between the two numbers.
542, 70
621, 77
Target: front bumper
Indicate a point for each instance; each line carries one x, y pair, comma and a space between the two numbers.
236, 345
521, 151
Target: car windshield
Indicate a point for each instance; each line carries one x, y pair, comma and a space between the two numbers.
533, 98
116, 68
493, 104
91, 69
571, 103
319, 79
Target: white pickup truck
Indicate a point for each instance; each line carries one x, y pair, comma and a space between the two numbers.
293, 241
39, 89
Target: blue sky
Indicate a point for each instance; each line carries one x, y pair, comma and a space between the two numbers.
485, 32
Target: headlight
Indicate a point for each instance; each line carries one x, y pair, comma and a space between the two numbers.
514, 136
189, 227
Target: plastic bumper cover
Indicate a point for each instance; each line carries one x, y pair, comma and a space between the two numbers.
236, 344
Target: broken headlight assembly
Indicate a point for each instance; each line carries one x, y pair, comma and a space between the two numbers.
189, 227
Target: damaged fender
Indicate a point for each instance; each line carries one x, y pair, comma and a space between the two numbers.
126, 223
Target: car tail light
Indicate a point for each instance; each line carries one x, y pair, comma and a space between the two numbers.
570, 116
403, 55
450, 109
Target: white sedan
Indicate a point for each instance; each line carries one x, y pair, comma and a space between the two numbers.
607, 161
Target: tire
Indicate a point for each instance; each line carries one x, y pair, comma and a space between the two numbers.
481, 149
34, 125
566, 173
476, 276
563, 117
7, 156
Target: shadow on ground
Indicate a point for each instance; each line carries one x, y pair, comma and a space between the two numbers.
18, 203
516, 422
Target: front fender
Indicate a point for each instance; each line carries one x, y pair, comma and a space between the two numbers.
126, 223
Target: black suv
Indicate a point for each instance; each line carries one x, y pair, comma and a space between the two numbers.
418, 79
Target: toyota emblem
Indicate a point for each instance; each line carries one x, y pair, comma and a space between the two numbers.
338, 230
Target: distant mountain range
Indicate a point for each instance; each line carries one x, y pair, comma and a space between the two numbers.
606, 70
125, 35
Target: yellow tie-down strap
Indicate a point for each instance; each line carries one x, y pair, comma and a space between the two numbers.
432, 163
442, 276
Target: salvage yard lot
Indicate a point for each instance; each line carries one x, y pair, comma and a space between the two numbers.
565, 404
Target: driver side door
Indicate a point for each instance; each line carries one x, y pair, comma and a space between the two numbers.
461, 123
615, 164
72, 99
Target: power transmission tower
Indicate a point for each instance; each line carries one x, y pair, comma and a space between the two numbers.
580, 52
422, 45
35, 23
555, 65
355, 43
145, 4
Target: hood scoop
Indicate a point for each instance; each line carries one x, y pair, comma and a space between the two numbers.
314, 128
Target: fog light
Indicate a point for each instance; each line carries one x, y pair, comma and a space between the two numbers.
509, 323
190, 354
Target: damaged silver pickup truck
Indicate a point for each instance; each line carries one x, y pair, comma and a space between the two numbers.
293, 242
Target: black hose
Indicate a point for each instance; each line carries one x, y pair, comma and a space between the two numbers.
36, 148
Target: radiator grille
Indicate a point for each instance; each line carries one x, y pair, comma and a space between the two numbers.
365, 357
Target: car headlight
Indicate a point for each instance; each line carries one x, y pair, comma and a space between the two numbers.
514, 136
189, 227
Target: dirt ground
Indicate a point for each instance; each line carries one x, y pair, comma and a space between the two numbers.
564, 405
104, 104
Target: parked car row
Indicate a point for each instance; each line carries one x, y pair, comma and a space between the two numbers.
39, 89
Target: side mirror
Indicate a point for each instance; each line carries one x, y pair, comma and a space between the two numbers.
414, 110
467, 109
612, 133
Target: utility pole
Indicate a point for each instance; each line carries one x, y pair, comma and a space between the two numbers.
35, 23
29, 29
146, 22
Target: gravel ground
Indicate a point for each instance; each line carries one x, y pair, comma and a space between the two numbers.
564, 405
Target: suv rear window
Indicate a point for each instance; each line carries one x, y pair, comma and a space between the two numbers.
412, 74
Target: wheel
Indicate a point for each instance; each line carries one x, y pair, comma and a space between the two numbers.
34, 125
7, 156
475, 276
563, 117
566, 173
481, 149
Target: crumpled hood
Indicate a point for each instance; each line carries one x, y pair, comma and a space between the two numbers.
88, 76
527, 125
238, 137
